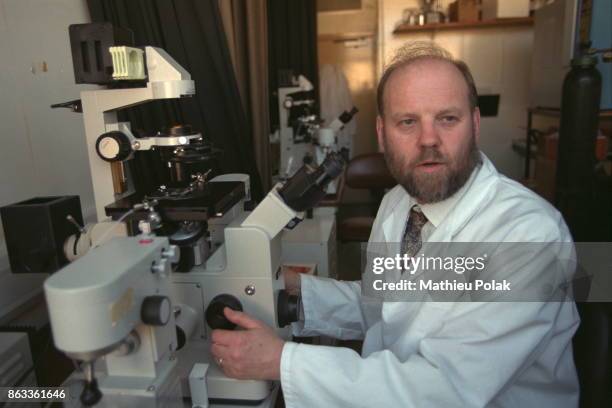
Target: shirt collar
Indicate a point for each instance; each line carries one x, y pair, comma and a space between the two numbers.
437, 212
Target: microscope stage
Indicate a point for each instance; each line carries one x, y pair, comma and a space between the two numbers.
213, 200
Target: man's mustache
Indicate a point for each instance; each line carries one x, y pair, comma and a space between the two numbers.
429, 154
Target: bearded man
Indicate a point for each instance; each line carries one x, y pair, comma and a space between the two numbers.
427, 353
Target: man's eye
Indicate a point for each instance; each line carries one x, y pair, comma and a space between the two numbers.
449, 119
407, 122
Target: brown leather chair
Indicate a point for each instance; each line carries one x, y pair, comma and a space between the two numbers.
368, 171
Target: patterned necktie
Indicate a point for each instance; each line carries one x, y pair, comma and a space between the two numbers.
412, 241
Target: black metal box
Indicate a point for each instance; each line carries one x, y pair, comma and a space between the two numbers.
91, 59
35, 231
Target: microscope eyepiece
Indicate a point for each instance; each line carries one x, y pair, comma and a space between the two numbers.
307, 187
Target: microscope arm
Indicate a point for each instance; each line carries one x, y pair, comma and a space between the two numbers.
271, 215
166, 80
286, 203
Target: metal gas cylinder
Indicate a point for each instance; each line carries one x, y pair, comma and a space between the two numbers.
577, 136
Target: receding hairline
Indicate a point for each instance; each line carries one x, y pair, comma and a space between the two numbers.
423, 60
421, 51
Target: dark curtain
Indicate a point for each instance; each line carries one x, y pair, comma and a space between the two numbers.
191, 31
292, 45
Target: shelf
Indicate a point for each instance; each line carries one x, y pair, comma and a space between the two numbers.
349, 36
556, 112
501, 22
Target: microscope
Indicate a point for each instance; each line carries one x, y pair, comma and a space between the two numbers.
114, 303
182, 162
136, 312
298, 122
301, 136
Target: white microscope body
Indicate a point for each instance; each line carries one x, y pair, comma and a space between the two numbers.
246, 270
166, 80
114, 303
245, 274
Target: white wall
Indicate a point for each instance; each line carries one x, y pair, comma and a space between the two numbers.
43, 150
500, 61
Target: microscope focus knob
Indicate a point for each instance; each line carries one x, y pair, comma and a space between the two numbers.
214, 312
113, 146
172, 253
287, 308
155, 310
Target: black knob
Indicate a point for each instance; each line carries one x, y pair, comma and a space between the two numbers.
91, 394
287, 308
214, 312
155, 310
113, 146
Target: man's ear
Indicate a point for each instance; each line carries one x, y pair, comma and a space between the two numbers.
380, 131
476, 123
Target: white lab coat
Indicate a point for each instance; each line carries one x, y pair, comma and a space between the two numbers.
440, 354
335, 97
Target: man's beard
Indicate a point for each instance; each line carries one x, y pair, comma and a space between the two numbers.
429, 188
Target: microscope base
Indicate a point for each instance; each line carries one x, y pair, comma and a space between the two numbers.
220, 387
130, 392
269, 402
75, 386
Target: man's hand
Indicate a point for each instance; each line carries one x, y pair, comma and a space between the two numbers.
293, 282
253, 354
